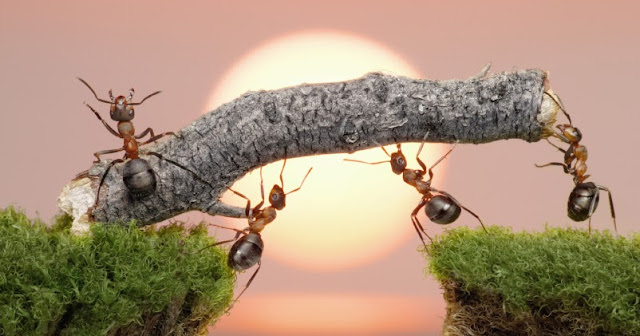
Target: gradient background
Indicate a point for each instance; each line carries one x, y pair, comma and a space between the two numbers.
590, 48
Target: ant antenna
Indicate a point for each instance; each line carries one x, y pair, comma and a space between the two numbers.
94, 93
145, 98
556, 99
301, 183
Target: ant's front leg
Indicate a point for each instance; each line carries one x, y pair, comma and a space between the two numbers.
439, 160
248, 211
104, 122
566, 168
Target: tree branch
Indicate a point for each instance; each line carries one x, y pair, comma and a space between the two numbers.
265, 126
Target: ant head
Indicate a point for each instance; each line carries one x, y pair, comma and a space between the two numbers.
277, 197
570, 133
398, 162
121, 110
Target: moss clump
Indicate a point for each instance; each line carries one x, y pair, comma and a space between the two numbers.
118, 280
558, 282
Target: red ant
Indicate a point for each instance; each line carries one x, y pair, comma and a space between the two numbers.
248, 246
137, 174
440, 206
584, 197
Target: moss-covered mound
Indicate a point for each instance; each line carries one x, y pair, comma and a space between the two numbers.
118, 280
558, 282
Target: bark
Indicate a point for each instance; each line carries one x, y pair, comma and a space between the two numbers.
265, 126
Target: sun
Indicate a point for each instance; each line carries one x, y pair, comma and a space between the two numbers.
346, 213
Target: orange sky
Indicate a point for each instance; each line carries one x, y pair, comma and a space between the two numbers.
590, 49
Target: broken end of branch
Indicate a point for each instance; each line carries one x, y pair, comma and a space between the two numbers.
548, 110
76, 199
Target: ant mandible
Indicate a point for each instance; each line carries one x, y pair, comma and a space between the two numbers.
137, 174
440, 206
584, 197
248, 246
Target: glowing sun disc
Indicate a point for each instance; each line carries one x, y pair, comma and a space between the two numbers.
346, 213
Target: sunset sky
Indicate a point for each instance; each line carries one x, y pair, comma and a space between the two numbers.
191, 51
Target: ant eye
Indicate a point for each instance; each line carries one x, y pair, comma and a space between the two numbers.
130, 112
274, 197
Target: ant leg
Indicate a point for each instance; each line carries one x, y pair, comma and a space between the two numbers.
154, 138
284, 163
104, 122
439, 160
301, 183
422, 165
564, 166
145, 132
181, 166
259, 205
613, 212
104, 176
253, 276
108, 151
556, 146
416, 223
248, 211
462, 206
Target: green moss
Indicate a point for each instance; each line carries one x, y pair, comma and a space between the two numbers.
557, 273
118, 279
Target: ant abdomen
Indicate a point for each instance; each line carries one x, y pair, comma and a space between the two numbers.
139, 178
442, 210
583, 201
246, 252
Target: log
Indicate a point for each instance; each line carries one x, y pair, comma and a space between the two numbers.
343, 117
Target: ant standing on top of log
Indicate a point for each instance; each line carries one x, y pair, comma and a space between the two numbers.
441, 207
247, 250
138, 176
584, 197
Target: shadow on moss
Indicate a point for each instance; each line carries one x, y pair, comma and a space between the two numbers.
118, 280
558, 282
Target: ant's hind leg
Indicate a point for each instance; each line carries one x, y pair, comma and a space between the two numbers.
463, 207
253, 276
613, 212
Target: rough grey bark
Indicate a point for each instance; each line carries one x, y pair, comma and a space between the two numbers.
265, 126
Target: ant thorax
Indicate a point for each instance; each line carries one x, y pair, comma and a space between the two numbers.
411, 176
262, 218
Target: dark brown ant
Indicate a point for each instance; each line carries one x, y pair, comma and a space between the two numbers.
248, 246
584, 197
138, 176
440, 206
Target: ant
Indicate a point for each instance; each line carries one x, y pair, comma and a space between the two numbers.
138, 176
440, 206
248, 246
584, 197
